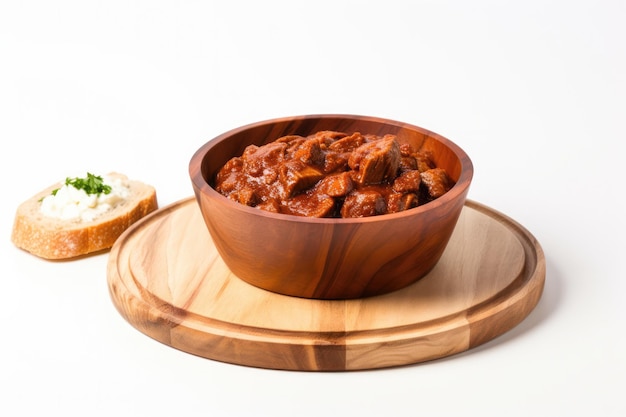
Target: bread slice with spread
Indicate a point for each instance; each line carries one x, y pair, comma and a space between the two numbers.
81, 216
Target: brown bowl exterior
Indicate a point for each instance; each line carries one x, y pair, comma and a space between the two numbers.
329, 258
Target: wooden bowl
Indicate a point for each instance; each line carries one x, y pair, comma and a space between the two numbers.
325, 258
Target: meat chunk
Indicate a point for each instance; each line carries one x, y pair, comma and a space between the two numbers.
397, 202
406, 149
293, 143
376, 161
436, 181
328, 135
424, 161
310, 152
229, 181
231, 166
271, 205
408, 163
347, 143
257, 158
336, 185
335, 162
245, 196
310, 205
363, 204
407, 182
291, 139
296, 176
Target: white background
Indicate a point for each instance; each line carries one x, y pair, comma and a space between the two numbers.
534, 91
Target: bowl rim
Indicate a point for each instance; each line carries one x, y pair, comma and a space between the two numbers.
202, 186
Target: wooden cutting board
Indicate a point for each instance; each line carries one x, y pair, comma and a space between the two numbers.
167, 280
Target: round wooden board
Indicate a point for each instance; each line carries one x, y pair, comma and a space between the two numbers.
167, 280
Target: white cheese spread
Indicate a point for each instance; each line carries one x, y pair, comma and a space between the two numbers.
70, 203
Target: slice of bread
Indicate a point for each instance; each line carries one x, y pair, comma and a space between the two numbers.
53, 238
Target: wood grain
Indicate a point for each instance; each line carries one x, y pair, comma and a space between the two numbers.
167, 280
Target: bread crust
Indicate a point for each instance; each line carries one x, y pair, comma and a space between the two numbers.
51, 238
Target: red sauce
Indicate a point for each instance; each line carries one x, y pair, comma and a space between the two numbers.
333, 174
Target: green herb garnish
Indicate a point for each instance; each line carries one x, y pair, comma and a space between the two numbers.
92, 184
